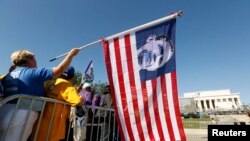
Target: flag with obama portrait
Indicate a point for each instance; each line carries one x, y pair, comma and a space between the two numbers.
141, 69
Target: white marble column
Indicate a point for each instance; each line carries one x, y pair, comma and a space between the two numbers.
211, 104
215, 104
199, 105
205, 104
239, 102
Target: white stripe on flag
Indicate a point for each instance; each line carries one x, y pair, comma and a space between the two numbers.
117, 89
127, 87
138, 87
161, 109
151, 109
171, 104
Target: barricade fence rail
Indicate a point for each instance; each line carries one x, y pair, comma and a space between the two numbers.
24, 117
21, 116
27, 115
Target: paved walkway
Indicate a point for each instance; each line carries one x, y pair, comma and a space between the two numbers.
196, 134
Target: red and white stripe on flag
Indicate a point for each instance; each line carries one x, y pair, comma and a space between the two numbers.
145, 110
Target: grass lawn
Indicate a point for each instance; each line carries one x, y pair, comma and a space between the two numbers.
196, 123
196, 119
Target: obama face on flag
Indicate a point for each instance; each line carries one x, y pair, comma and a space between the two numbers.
155, 53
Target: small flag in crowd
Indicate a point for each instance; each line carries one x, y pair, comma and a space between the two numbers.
142, 76
88, 75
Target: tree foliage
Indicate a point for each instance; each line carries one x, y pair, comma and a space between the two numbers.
77, 78
97, 87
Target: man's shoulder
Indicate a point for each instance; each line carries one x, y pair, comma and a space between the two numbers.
61, 80
57, 81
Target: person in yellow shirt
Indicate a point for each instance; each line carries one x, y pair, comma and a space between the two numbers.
60, 89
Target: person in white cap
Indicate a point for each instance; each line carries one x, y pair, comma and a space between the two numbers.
86, 93
81, 116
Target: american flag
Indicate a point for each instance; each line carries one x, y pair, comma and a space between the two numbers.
142, 75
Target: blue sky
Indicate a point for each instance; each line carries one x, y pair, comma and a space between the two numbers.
212, 36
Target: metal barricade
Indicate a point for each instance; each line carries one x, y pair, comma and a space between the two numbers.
32, 113
21, 116
97, 124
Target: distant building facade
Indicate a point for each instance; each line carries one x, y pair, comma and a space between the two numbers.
214, 100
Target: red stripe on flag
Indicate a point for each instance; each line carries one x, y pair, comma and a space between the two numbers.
156, 109
122, 88
132, 86
109, 71
166, 107
146, 110
176, 105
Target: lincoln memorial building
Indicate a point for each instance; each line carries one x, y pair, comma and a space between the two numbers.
214, 100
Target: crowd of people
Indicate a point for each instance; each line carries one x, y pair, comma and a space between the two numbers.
95, 116
25, 77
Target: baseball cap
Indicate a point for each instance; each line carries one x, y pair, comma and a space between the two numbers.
85, 85
69, 72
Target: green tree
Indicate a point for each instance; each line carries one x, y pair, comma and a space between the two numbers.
77, 78
98, 87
